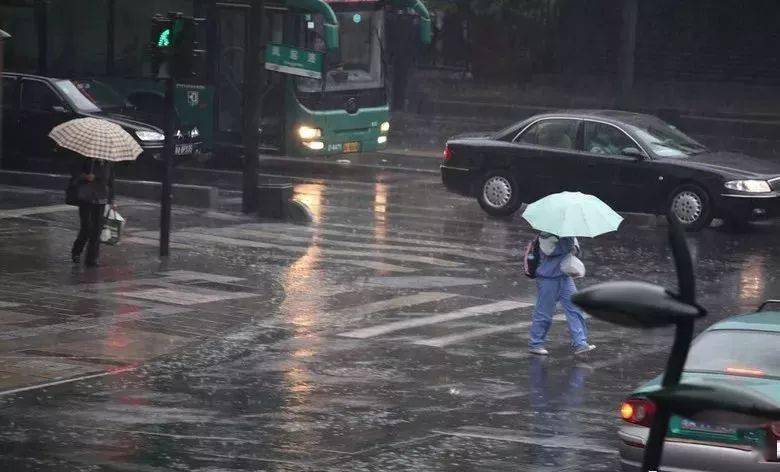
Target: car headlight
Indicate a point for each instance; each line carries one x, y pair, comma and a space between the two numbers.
750, 186
308, 133
194, 133
150, 136
384, 127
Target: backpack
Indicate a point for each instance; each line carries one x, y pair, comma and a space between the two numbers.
532, 258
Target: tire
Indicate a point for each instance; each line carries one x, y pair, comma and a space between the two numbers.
691, 207
499, 194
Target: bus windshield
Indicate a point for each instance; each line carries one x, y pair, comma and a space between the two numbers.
357, 64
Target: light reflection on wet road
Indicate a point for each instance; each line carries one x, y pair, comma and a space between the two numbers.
252, 372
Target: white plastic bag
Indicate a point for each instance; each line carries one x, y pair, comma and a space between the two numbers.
112, 227
573, 266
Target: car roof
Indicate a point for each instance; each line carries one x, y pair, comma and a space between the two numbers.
611, 116
761, 321
28, 76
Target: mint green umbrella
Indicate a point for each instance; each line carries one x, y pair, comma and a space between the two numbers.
572, 214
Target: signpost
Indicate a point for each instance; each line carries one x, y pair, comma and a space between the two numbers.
294, 61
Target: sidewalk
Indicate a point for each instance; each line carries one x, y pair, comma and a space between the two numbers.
62, 322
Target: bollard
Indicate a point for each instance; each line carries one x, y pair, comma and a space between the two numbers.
273, 200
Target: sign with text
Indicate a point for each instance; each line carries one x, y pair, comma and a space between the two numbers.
294, 61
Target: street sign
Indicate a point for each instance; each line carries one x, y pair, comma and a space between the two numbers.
195, 107
294, 61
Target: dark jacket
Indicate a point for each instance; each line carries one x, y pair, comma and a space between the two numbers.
100, 190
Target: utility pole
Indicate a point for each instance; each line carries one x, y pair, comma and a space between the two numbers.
252, 107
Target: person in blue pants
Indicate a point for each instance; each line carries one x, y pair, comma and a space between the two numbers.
554, 286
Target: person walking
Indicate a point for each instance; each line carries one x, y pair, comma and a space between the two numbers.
94, 181
99, 143
555, 286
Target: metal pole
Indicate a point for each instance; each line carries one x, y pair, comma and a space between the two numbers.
251, 109
167, 171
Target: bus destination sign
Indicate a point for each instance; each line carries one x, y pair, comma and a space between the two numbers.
293, 61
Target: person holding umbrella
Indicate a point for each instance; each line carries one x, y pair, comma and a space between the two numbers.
101, 143
561, 218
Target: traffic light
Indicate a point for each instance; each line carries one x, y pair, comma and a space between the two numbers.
175, 46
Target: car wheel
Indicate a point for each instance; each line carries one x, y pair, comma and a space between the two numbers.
499, 194
690, 206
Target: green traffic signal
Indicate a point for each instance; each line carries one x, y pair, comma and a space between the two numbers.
164, 39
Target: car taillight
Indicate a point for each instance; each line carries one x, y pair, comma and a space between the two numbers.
773, 442
638, 411
447, 153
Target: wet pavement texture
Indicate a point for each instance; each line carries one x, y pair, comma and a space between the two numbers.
388, 335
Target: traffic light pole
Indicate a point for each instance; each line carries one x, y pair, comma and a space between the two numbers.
252, 111
167, 170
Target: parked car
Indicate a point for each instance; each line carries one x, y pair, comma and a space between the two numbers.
634, 162
33, 105
741, 351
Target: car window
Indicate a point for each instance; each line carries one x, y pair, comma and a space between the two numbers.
38, 96
602, 138
734, 352
553, 133
9, 85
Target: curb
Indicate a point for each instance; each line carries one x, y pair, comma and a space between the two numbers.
197, 196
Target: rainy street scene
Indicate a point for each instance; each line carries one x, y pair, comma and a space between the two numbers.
389, 235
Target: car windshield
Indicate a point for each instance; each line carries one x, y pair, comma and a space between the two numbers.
357, 64
735, 352
663, 139
92, 95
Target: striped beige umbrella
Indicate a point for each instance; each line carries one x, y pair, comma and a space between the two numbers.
98, 139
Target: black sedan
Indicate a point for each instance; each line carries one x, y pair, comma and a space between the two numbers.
634, 162
33, 105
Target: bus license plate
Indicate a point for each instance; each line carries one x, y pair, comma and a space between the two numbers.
351, 147
184, 149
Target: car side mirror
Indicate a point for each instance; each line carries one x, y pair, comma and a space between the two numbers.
632, 152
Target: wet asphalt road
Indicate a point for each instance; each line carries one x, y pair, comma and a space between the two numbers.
389, 335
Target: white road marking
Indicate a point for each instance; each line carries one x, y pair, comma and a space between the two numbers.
559, 441
479, 310
327, 251
457, 338
367, 232
67, 381
469, 254
392, 303
17, 212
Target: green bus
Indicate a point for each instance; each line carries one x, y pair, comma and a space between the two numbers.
340, 102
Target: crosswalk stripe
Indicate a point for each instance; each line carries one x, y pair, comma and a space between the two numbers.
457, 243
17, 212
477, 333
336, 252
392, 303
479, 310
471, 254
574, 442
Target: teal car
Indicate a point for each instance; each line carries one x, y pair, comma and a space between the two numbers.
742, 351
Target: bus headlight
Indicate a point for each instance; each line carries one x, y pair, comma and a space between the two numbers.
381, 139
308, 133
315, 145
384, 127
